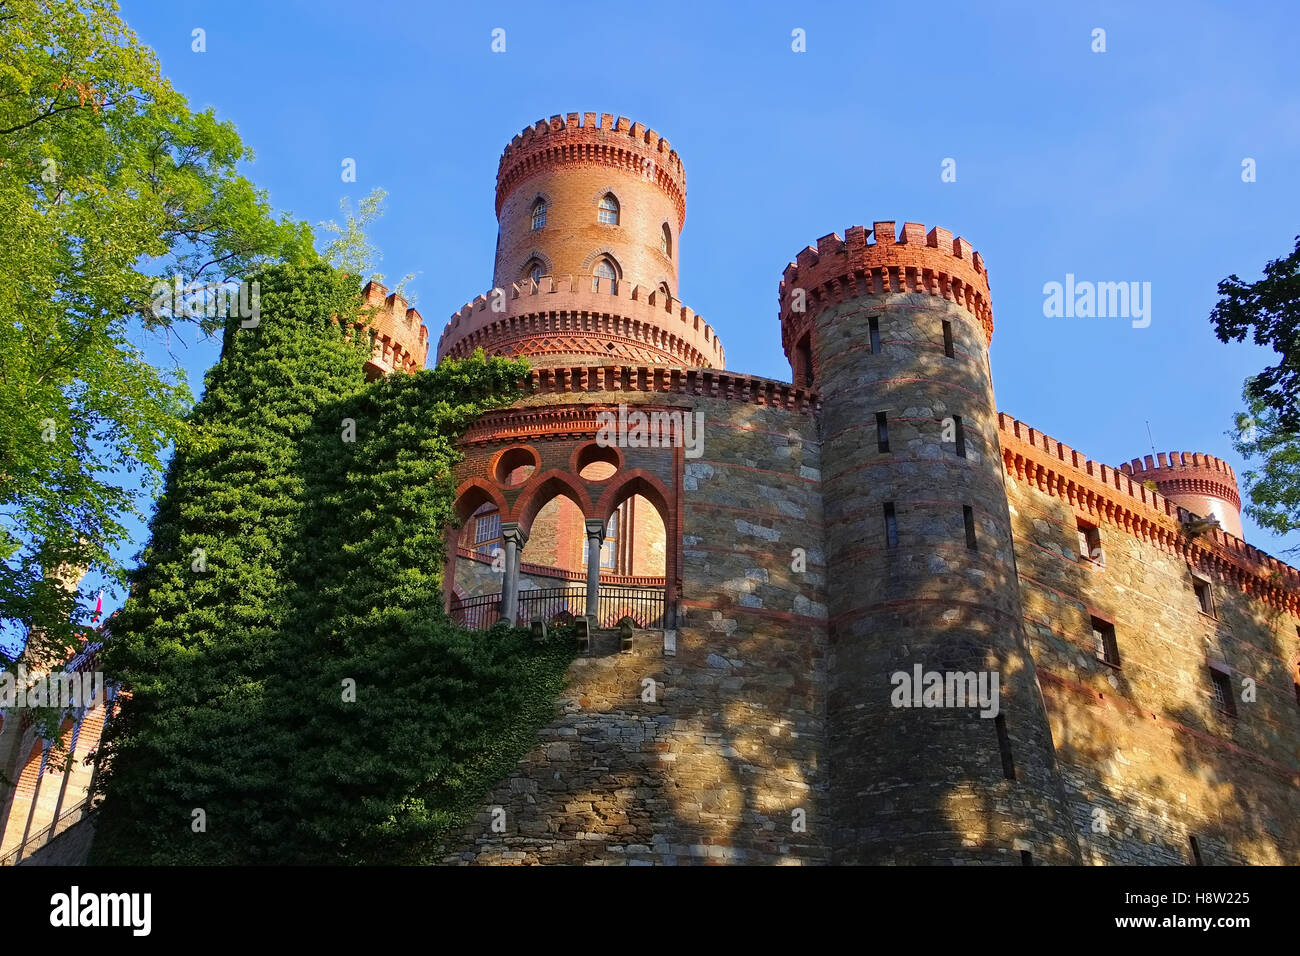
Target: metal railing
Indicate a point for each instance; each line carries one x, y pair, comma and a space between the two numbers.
643, 605
478, 613
66, 820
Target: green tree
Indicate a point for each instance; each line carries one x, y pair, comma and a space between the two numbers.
196, 639
1269, 311
108, 182
1274, 484
1268, 432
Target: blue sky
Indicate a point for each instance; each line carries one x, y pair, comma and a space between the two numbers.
1116, 166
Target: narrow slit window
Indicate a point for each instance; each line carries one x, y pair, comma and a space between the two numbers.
1026, 858
803, 352
959, 435
1004, 746
882, 431
891, 526
1196, 852
947, 340
968, 516
873, 326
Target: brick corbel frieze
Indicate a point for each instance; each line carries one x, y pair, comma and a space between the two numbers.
607, 386
1106, 495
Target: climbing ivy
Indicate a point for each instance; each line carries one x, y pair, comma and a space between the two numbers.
291, 672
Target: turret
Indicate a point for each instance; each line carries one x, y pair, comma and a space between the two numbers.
894, 336
590, 210
1203, 484
399, 340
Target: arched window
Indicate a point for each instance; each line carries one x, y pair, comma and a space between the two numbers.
605, 268
607, 212
663, 287
666, 241
539, 214
534, 270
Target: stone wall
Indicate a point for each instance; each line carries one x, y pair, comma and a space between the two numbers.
726, 763
911, 443
1148, 758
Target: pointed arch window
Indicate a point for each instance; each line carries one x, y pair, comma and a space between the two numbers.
539, 214
534, 270
605, 268
666, 241
607, 211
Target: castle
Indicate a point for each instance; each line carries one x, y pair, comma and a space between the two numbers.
829, 585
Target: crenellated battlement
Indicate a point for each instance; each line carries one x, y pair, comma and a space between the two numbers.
1118, 496
593, 139
913, 260
1180, 463
400, 339
560, 304
1195, 480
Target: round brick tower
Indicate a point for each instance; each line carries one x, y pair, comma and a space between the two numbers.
894, 335
1202, 484
589, 214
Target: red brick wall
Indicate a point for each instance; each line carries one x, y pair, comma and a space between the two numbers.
572, 168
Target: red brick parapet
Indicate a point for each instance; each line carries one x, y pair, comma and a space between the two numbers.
1192, 479
401, 339
1117, 498
565, 306
582, 139
932, 263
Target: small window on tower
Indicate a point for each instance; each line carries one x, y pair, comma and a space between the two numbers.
539, 214
891, 526
1090, 543
1221, 686
607, 212
947, 340
666, 241
882, 431
534, 270
873, 328
803, 355
1204, 596
968, 518
1104, 643
605, 269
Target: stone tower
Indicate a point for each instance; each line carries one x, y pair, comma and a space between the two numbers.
589, 214
1202, 484
894, 336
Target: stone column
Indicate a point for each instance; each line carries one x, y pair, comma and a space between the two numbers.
595, 538
515, 540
